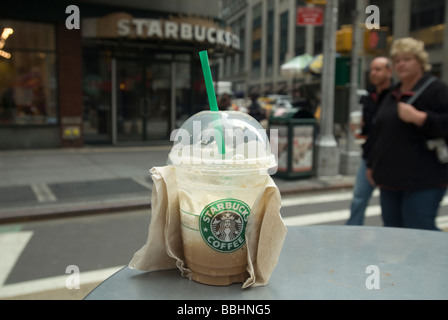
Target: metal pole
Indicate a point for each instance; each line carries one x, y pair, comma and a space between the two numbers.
309, 43
173, 97
350, 157
327, 152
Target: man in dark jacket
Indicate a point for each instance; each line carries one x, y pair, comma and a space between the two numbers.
380, 78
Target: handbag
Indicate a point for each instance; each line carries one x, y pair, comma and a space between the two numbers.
437, 145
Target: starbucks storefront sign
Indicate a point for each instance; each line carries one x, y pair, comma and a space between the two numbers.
177, 31
189, 29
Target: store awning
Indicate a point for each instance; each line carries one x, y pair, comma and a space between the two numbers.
315, 66
295, 67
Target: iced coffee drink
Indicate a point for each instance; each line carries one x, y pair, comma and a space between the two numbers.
217, 191
356, 122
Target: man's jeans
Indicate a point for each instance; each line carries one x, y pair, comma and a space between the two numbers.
411, 209
362, 191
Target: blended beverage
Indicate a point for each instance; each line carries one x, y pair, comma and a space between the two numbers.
217, 192
214, 210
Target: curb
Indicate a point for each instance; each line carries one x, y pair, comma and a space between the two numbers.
66, 210
70, 210
316, 187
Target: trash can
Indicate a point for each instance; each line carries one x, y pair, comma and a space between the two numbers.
294, 142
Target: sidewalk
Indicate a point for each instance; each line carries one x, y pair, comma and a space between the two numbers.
36, 184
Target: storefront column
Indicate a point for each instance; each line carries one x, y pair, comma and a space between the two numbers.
69, 57
173, 97
402, 18
327, 150
114, 100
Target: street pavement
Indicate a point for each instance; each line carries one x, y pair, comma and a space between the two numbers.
56, 183
38, 184
46, 184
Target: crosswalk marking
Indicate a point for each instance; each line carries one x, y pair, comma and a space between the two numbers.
43, 192
329, 216
330, 197
58, 282
11, 247
442, 222
339, 215
310, 199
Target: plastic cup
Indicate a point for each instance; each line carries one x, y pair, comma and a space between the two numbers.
217, 191
356, 122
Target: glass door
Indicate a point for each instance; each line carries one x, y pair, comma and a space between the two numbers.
157, 104
143, 100
129, 100
97, 97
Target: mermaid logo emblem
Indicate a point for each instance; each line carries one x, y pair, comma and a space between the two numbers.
227, 225
223, 223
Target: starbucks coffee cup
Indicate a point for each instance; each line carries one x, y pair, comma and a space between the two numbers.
221, 160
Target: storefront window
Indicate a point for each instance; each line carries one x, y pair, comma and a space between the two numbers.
97, 96
27, 73
183, 88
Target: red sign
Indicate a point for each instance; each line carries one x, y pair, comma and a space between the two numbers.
310, 16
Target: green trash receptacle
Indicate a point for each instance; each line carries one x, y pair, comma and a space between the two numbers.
296, 129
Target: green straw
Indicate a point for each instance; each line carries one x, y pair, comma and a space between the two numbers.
208, 80
211, 95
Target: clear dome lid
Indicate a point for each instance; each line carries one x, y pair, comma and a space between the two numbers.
211, 140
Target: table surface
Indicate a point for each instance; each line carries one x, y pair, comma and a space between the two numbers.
316, 262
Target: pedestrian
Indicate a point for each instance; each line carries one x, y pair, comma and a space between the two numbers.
411, 177
225, 102
380, 75
255, 109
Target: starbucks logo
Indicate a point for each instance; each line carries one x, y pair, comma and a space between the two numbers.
223, 223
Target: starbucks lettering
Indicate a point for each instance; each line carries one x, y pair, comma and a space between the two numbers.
167, 29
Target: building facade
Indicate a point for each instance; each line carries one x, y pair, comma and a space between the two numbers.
270, 35
130, 73
104, 72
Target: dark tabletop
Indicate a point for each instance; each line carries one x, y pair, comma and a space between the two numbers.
317, 262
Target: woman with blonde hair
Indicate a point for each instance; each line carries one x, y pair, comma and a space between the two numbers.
409, 169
